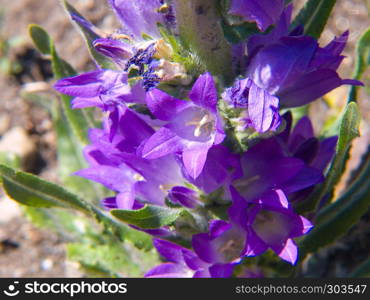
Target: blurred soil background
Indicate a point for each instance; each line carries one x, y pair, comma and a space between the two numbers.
26, 128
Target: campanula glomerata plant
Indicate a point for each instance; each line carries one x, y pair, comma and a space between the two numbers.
195, 149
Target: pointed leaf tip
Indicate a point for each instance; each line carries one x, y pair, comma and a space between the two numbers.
148, 217
40, 38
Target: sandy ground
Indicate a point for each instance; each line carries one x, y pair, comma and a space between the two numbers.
26, 251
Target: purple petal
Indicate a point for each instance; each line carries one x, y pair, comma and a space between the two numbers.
279, 65
218, 169
163, 142
276, 226
337, 45
139, 16
117, 179
84, 23
237, 95
262, 108
169, 250
238, 209
118, 51
306, 226
204, 248
184, 196
194, 124
150, 192
221, 270
218, 227
263, 12
270, 174
160, 171
329, 57
125, 200
204, 92
281, 29
308, 150
254, 246
325, 154
120, 91
80, 102
309, 87
109, 203
132, 131
290, 252
86, 85
194, 158
203, 273
164, 106
168, 270
275, 198
305, 178
303, 130
193, 261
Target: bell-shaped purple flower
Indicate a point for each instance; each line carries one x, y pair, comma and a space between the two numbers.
192, 128
186, 263
268, 165
300, 142
297, 70
223, 244
219, 170
105, 89
269, 223
288, 69
117, 163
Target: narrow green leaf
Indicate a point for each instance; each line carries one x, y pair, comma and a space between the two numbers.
68, 224
89, 34
45, 44
363, 54
362, 270
30, 190
348, 131
362, 181
33, 191
314, 16
349, 128
362, 62
78, 119
333, 228
149, 217
362, 165
40, 38
111, 259
201, 32
79, 228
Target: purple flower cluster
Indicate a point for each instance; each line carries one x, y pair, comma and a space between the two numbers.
175, 149
285, 68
